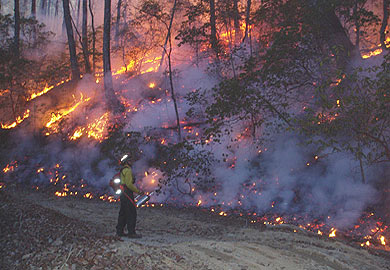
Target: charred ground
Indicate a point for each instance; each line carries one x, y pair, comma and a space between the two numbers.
41, 231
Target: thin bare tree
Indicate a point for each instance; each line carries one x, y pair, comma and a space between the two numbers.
118, 19
33, 8
17, 28
93, 36
84, 35
112, 101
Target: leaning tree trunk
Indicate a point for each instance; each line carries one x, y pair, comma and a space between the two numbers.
17, 29
85, 37
385, 21
71, 42
213, 36
169, 54
112, 102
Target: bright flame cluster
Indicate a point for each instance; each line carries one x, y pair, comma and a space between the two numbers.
18, 120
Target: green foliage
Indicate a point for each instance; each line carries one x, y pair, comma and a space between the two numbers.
353, 116
185, 166
120, 143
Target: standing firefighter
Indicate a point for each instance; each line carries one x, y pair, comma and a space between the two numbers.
128, 212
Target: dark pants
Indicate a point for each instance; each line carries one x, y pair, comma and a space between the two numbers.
127, 213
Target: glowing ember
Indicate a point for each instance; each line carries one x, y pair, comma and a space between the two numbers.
222, 213
383, 240
88, 195
77, 134
3, 92
61, 194
332, 232
2, 185
18, 120
10, 167
151, 85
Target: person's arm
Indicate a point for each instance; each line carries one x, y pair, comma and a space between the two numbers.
128, 180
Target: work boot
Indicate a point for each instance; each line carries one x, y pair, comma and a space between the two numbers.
120, 234
134, 235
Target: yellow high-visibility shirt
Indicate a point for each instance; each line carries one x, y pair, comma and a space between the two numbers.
127, 179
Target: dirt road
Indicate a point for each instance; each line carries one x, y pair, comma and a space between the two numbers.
184, 239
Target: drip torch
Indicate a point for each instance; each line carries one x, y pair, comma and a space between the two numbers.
141, 199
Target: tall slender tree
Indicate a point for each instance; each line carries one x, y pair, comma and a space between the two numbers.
112, 102
84, 36
247, 18
33, 7
213, 36
236, 16
168, 33
17, 28
93, 36
43, 6
71, 42
385, 22
118, 19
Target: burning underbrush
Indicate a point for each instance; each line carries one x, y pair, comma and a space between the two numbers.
65, 144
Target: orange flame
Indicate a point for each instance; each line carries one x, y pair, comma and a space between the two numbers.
45, 90
383, 240
58, 116
10, 167
19, 120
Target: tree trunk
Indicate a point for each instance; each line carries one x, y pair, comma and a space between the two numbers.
78, 13
247, 18
169, 54
236, 16
112, 101
213, 36
43, 7
84, 35
56, 10
93, 37
17, 29
48, 7
357, 25
168, 33
385, 21
118, 18
332, 31
34, 7
71, 42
